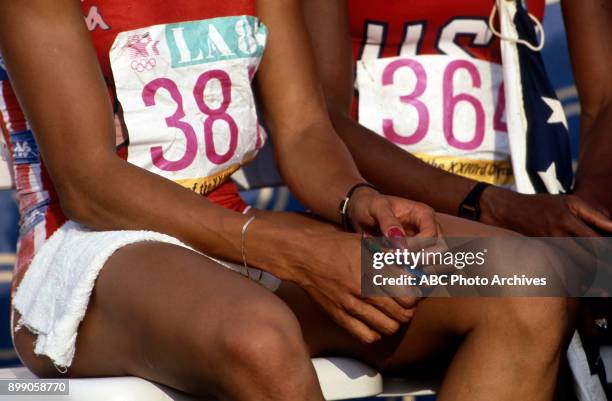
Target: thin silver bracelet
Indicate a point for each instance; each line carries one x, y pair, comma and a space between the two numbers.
242, 245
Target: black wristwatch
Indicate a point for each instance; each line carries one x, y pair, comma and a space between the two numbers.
470, 207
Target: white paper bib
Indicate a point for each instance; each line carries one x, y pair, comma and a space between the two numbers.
446, 110
185, 92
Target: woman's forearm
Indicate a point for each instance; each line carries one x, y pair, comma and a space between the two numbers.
318, 169
313, 160
591, 56
115, 195
594, 174
399, 173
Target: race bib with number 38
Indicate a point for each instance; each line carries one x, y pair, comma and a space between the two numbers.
185, 92
447, 111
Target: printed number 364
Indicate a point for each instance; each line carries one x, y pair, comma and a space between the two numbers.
449, 103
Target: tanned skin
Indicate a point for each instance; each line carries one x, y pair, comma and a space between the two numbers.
174, 316
585, 213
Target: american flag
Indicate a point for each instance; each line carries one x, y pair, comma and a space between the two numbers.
539, 136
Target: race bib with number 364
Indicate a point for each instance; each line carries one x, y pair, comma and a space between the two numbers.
447, 111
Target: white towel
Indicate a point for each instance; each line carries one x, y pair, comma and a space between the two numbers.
53, 296
54, 293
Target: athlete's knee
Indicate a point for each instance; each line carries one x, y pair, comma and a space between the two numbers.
39, 365
265, 338
538, 260
263, 341
544, 316
544, 323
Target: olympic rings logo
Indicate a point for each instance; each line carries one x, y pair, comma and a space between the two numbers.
143, 64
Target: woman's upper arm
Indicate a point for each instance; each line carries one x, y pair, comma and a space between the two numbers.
56, 76
589, 31
328, 25
287, 78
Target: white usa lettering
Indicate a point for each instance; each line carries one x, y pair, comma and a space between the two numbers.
476, 29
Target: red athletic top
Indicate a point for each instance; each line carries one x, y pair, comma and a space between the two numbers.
38, 202
434, 27
106, 18
390, 28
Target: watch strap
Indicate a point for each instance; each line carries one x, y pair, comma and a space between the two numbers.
470, 206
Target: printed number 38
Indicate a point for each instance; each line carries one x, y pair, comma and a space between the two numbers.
176, 120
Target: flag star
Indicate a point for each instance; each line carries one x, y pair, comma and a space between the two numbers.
550, 180
557, 116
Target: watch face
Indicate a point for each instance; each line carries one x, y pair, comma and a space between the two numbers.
468, 211
470, 207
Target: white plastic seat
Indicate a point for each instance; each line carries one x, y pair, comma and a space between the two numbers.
394, 387
340, 379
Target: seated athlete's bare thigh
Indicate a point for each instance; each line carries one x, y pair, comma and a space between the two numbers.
154, 307
148, 294
453, 226
438, 324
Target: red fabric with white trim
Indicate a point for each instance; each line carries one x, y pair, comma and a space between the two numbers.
37, 200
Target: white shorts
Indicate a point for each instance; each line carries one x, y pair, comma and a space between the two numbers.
53, 296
